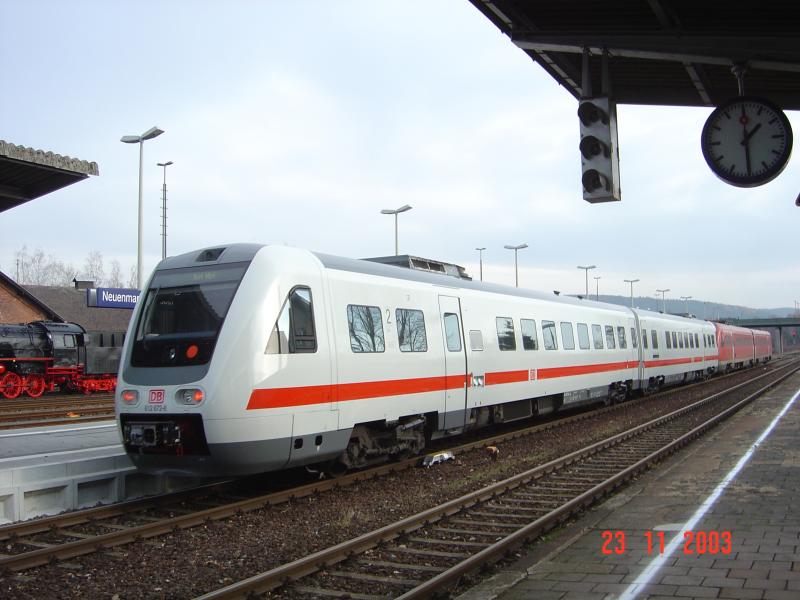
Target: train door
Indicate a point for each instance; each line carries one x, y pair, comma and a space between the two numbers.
636, 332
455, 363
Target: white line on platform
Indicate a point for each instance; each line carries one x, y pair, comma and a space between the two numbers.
30, 458
646, 576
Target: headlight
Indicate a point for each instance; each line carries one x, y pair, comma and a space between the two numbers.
129, 397
190, 397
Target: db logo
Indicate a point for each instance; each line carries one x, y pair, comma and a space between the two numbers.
156, 397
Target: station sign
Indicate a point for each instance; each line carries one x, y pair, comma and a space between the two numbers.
112, 297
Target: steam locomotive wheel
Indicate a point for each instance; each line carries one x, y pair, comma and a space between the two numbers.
11, 385
34, 386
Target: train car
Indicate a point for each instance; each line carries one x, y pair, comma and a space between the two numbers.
247, 358
763, 345
736, 346
45, 355
676, 349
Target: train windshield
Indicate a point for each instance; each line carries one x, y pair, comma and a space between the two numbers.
183, 313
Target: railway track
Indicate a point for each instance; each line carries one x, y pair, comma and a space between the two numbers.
422, 555
61, 537
36, 412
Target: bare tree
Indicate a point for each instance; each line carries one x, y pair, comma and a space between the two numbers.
62, 274
115, 277
93, 267
37, 268
133, 280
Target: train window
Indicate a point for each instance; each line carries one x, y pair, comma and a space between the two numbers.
293, 332
669, 340
365, 324
476, 340
691, 340
530, 340
452, 332
597, 337
411, 335
505, 333
583, 336
654, 338
686, 339
621, 334
696, 341
674, 340
680, 340
549, 335
567, 336
610, 343
644, 339
69, 341
634, 338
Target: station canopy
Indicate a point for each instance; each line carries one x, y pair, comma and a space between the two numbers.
26, 173
661, 52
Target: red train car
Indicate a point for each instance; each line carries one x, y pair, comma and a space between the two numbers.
763, 345
740, 347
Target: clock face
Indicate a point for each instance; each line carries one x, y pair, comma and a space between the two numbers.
747, 141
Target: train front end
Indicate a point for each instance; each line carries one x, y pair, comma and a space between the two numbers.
184, 369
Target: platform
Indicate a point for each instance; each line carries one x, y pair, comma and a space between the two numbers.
727, 482
47, 470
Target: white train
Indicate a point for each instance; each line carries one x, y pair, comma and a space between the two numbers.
249, 358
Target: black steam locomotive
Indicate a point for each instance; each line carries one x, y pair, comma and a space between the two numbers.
45, 356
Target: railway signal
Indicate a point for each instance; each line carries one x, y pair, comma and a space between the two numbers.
599, 150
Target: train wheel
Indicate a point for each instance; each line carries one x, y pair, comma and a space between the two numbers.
11, 385
34, 386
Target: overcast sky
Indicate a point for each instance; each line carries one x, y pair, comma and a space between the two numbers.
296, 122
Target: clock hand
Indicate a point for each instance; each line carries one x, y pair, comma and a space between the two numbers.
747, 136
746, 144
746, 139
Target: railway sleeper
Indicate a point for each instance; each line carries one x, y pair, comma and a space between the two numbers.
324, 592
402, 566
375, 578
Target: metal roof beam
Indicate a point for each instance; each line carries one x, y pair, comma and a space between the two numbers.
698, 77
706, 50
14, 193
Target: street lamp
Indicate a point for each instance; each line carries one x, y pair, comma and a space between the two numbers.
687, 298
140, 139
631, 281
395, 212
663, 300
597, 287
164, 212
587, 276
516, 270
480, 258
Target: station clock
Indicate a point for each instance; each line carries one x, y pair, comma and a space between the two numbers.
747, 141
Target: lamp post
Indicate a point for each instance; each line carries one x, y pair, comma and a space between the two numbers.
597, 287
631, 281
663, 300
516, 270
686, 298
587, 276
164, 212
480, 258
395, 212
140, 139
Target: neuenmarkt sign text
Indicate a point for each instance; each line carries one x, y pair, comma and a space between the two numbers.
112, 297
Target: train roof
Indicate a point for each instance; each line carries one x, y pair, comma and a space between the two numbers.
227, 253
368, 267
